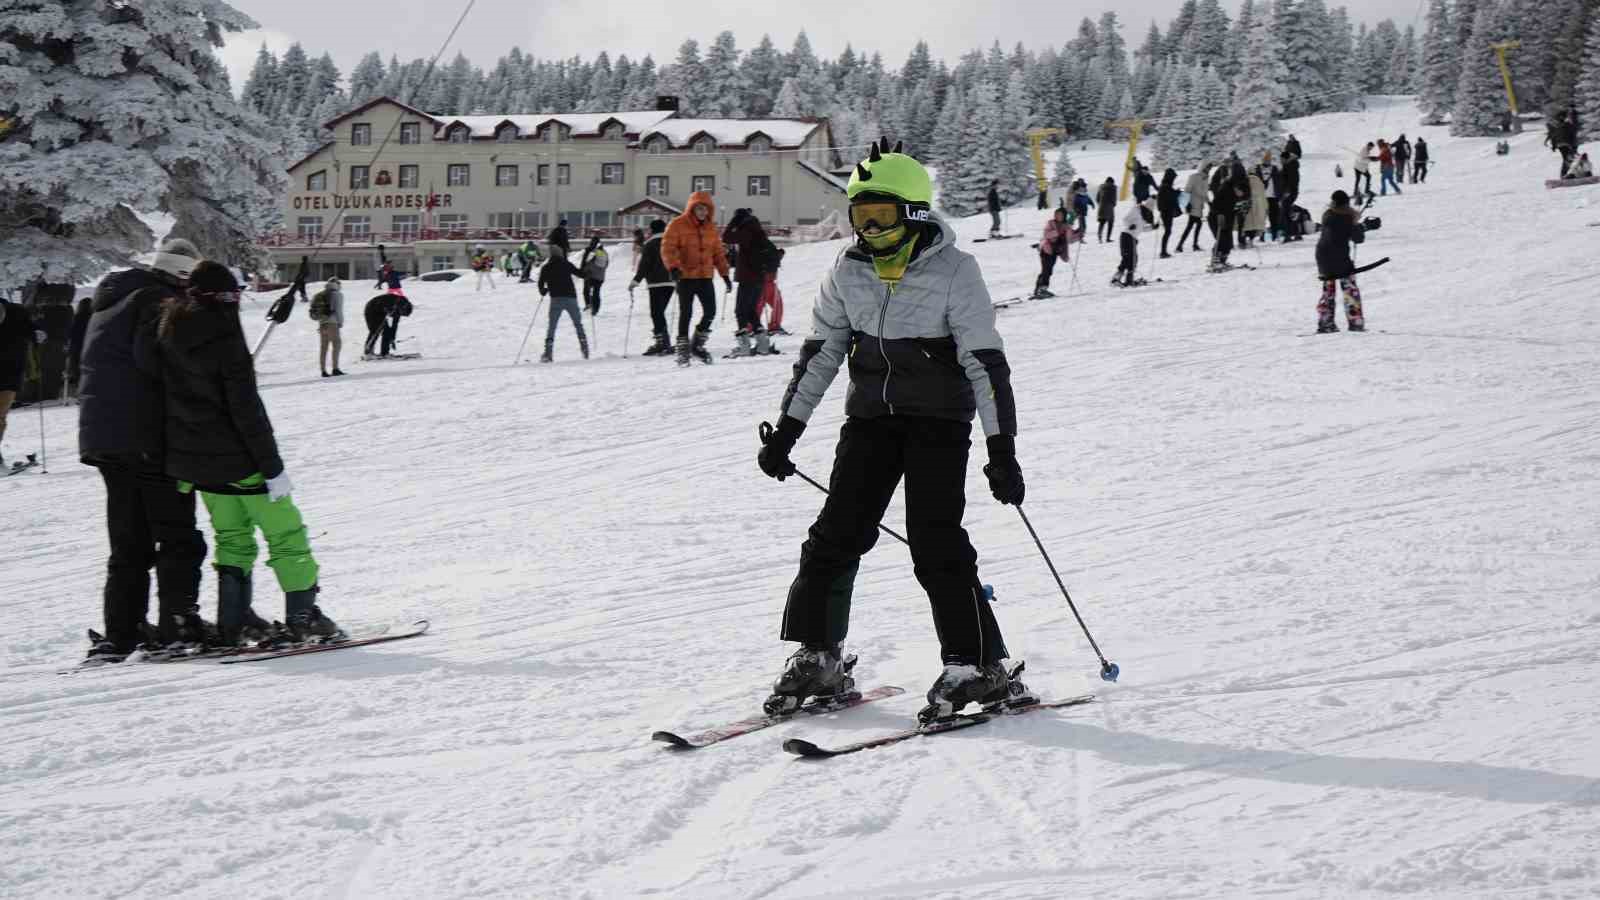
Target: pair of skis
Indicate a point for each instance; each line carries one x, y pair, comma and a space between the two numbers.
235, 655
20, 466
810, 750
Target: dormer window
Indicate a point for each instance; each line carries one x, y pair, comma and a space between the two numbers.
614, 132
555, 131
656, 146
458, 134
760, 147
705, 145
507, 133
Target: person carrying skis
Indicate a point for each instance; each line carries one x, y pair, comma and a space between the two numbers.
1167, 206
1139, 219
910, 312
693, 251
120, 425
992, 200
555, 281
327, 310
1106, 200
1052, 246
1419, 162
219, 441
595, 260
18, 337
751, 250
658, 281
1195, 187
1341, 227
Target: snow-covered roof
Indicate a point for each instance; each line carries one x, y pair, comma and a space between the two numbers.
825, 175
785, 133
376, 101
580, 124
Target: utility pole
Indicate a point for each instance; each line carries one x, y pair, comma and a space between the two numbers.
1036, 138
1135, 130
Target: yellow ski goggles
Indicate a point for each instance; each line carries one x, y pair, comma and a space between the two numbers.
876, 216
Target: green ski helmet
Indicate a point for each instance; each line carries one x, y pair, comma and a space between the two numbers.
889, 177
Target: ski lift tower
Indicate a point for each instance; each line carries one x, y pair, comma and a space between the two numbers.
1135, 130
1036, 138
1505, 75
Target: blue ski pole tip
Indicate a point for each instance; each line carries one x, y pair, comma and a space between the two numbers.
988, 592
1110, 671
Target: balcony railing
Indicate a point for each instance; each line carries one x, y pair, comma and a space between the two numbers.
464, 235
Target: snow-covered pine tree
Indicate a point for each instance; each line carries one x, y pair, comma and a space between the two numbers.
262, 86
763, 77
944, 150
1175, 131
366, 79
1258, 95
1211, 108
1109, 109
685, 79
1302, 31
1063, 173
114, 108
1576, 17
981, 155
1480, 105
1587, 95
1232, 61
1207, 38
1016, 173
919, 120
1343, 91
724, 89
642, 90
789, 103
1178, 32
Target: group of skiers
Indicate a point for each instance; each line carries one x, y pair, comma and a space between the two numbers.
169, 408
1393, 160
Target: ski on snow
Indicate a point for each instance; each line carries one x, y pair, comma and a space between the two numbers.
18, 467
417, 629
757, 723
362, 638
955, 723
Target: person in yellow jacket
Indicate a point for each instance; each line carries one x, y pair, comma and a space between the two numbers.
692, 252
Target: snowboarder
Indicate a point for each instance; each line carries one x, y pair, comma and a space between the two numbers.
219, 441
383, 314
1106, 200
693, 251
1195, 187
752, 248
482, 262
593, 264
555, 281
993, 201
653, 274
1419, 162
1139, 219
1562, 137
327, 310
18, 338
1580, 169
120, 427
1167, 205
1053, 245
911, 313
1340, 228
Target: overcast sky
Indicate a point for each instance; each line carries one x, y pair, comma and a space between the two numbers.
562, 28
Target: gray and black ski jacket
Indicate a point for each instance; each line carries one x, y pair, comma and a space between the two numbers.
929, 348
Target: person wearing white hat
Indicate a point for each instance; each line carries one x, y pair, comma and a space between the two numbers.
327, 310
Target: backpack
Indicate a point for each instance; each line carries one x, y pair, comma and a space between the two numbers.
598, 260
321, 306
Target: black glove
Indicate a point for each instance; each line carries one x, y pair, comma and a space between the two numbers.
1005, 476
675, 274
776, 444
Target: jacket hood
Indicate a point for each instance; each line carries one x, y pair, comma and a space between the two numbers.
701, 197
120, 284
205, 324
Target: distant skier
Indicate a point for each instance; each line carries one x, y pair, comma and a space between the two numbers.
1362, 167
752, 248
555, 280
1226, 193
529, 255
1340, 228
327, 310
1167, 205
594, 263
389, 278
993, 200
1196, 188
1401, 148
1106, 200
1288, 193
1419, 162
916, 380
1053, 245
220, 442
483, 264
693, 253
1386, 164
19, 337
383, 314
658, 281
560, 238
1139, 219
299, 284
1081, 204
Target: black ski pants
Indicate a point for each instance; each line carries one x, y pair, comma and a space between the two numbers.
527, 270
689, 290
1047, 267
1130, 257
1419, 171
1105, 230
1224, 244
1195, 225
591, 295
745, 303
871, 458
1291, 228
151, 525
660, 297
1166, 231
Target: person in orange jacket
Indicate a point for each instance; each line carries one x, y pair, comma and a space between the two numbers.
692, 250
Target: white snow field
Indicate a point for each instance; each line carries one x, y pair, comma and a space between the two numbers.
1352, 581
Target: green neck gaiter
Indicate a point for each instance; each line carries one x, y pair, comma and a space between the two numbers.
891, 269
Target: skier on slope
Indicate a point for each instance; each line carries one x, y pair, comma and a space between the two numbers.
992, 200
383, 314
693, 252
594, 262
1341, 227
19, 335
1139, 219
910, 312
1053, 245
1106, 200
555, 280
658, 281
1167, 206
1419, 162
1081, 204
1195, 187
220, 442
751, 248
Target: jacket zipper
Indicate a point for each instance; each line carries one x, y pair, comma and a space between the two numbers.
883, 313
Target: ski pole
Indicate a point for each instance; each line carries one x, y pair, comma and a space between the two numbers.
44, 461
627, 329
529, 332
765, 430
1108, 670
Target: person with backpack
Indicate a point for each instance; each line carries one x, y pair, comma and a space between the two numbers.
752, 249
555, 281
1106, 200
1195, 187
219, 442
693, 252
121, 422
1053, 244
653, 274
1341, 227
594, 263
327, 310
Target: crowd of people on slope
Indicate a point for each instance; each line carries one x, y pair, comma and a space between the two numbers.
169, 409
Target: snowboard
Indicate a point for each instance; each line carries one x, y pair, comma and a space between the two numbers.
809, 750
1571, 182
757, 723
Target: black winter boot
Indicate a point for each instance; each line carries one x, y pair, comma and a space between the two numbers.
304, 620
183, 627
237, 623
661, 347
698, 348
994, 684
682, 351
813, 671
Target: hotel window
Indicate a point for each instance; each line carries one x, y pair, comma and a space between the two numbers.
361, 134
309, 228
656, 186
357, 227
760, 147
408, 176
511, 221
505, 176
759, 186
615, 132
410, 132
707, 183
600, 218
359, 178
406, 226
317, 181
563, 174
507, 134
458, 175
611, 173
705, 145
452, 221
441, 263
543, 178
656, 146
458, 134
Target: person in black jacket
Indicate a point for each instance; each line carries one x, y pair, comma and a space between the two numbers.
299, 285
653, 274
752, 250
1167, 206
1341, 227
992, 199
18, 337
1143, 182
1419, 162
219, 441
1288, 193
1106, 201
1291, 147
121, 433
383, 314
555, 281
1225, 197
560, 238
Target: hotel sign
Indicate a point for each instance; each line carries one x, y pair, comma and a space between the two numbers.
371, 201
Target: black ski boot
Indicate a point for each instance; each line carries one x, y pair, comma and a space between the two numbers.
104, 651
698, 348
184, 629
813, 671
305, 622
237, 623
662, 346
681, 349
992, 686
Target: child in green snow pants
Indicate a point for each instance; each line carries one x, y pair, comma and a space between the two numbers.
235, 518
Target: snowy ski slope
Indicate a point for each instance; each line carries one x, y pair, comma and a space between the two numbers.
1351, 581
